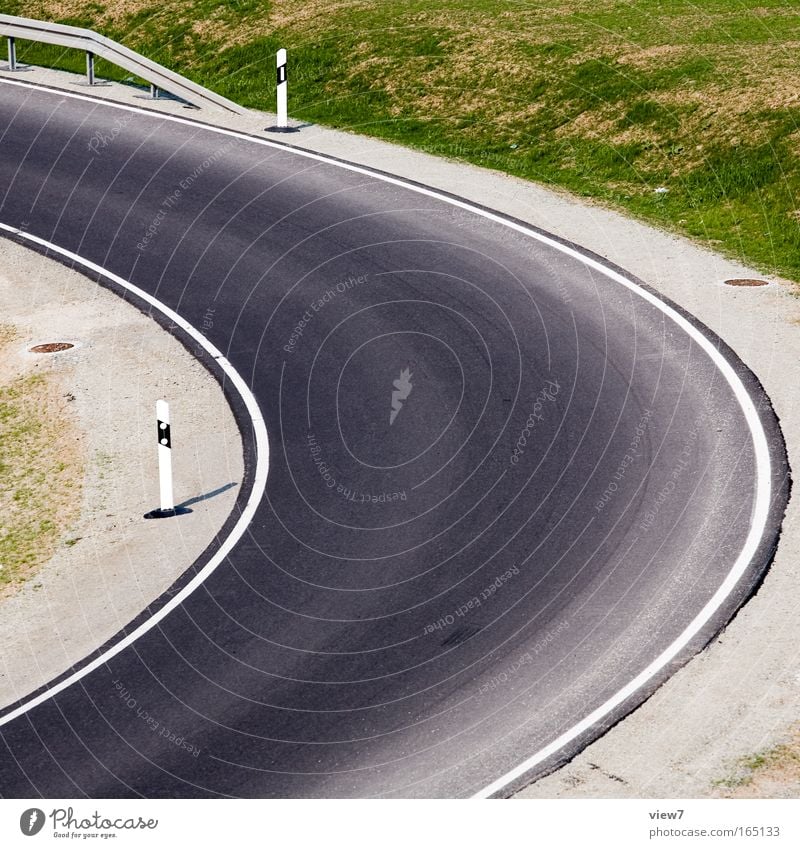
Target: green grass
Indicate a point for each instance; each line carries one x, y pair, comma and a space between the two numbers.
607, 98
39, 470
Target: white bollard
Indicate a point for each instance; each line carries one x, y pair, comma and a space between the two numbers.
164, 457
282, 114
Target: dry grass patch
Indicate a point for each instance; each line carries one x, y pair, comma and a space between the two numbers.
41, 468
646, 58
116, 11
774, 773
311, 15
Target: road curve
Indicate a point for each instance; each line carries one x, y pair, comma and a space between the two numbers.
510, 489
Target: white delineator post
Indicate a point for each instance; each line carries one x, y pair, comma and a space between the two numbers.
283, 121
164, 457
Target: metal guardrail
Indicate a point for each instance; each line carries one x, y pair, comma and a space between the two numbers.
159, 77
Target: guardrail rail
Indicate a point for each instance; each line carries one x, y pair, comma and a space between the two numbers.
93, 44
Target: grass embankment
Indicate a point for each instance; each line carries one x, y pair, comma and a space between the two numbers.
609, 99
40, 470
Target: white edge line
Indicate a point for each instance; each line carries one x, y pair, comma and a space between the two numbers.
257, 492
760, 512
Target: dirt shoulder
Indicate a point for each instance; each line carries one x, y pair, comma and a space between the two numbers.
88, 466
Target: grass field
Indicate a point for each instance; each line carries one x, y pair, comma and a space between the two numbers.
40, 470
606, 98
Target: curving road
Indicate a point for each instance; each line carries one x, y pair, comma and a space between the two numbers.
510, 491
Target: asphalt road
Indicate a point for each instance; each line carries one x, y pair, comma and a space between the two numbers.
501, 483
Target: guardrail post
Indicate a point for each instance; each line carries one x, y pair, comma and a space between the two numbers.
90, 67
153, 91
12, 54
282, 115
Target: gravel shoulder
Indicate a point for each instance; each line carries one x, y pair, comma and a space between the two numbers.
110, 564
742, 694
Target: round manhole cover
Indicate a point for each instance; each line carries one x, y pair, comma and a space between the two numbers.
51, 347
746, 282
